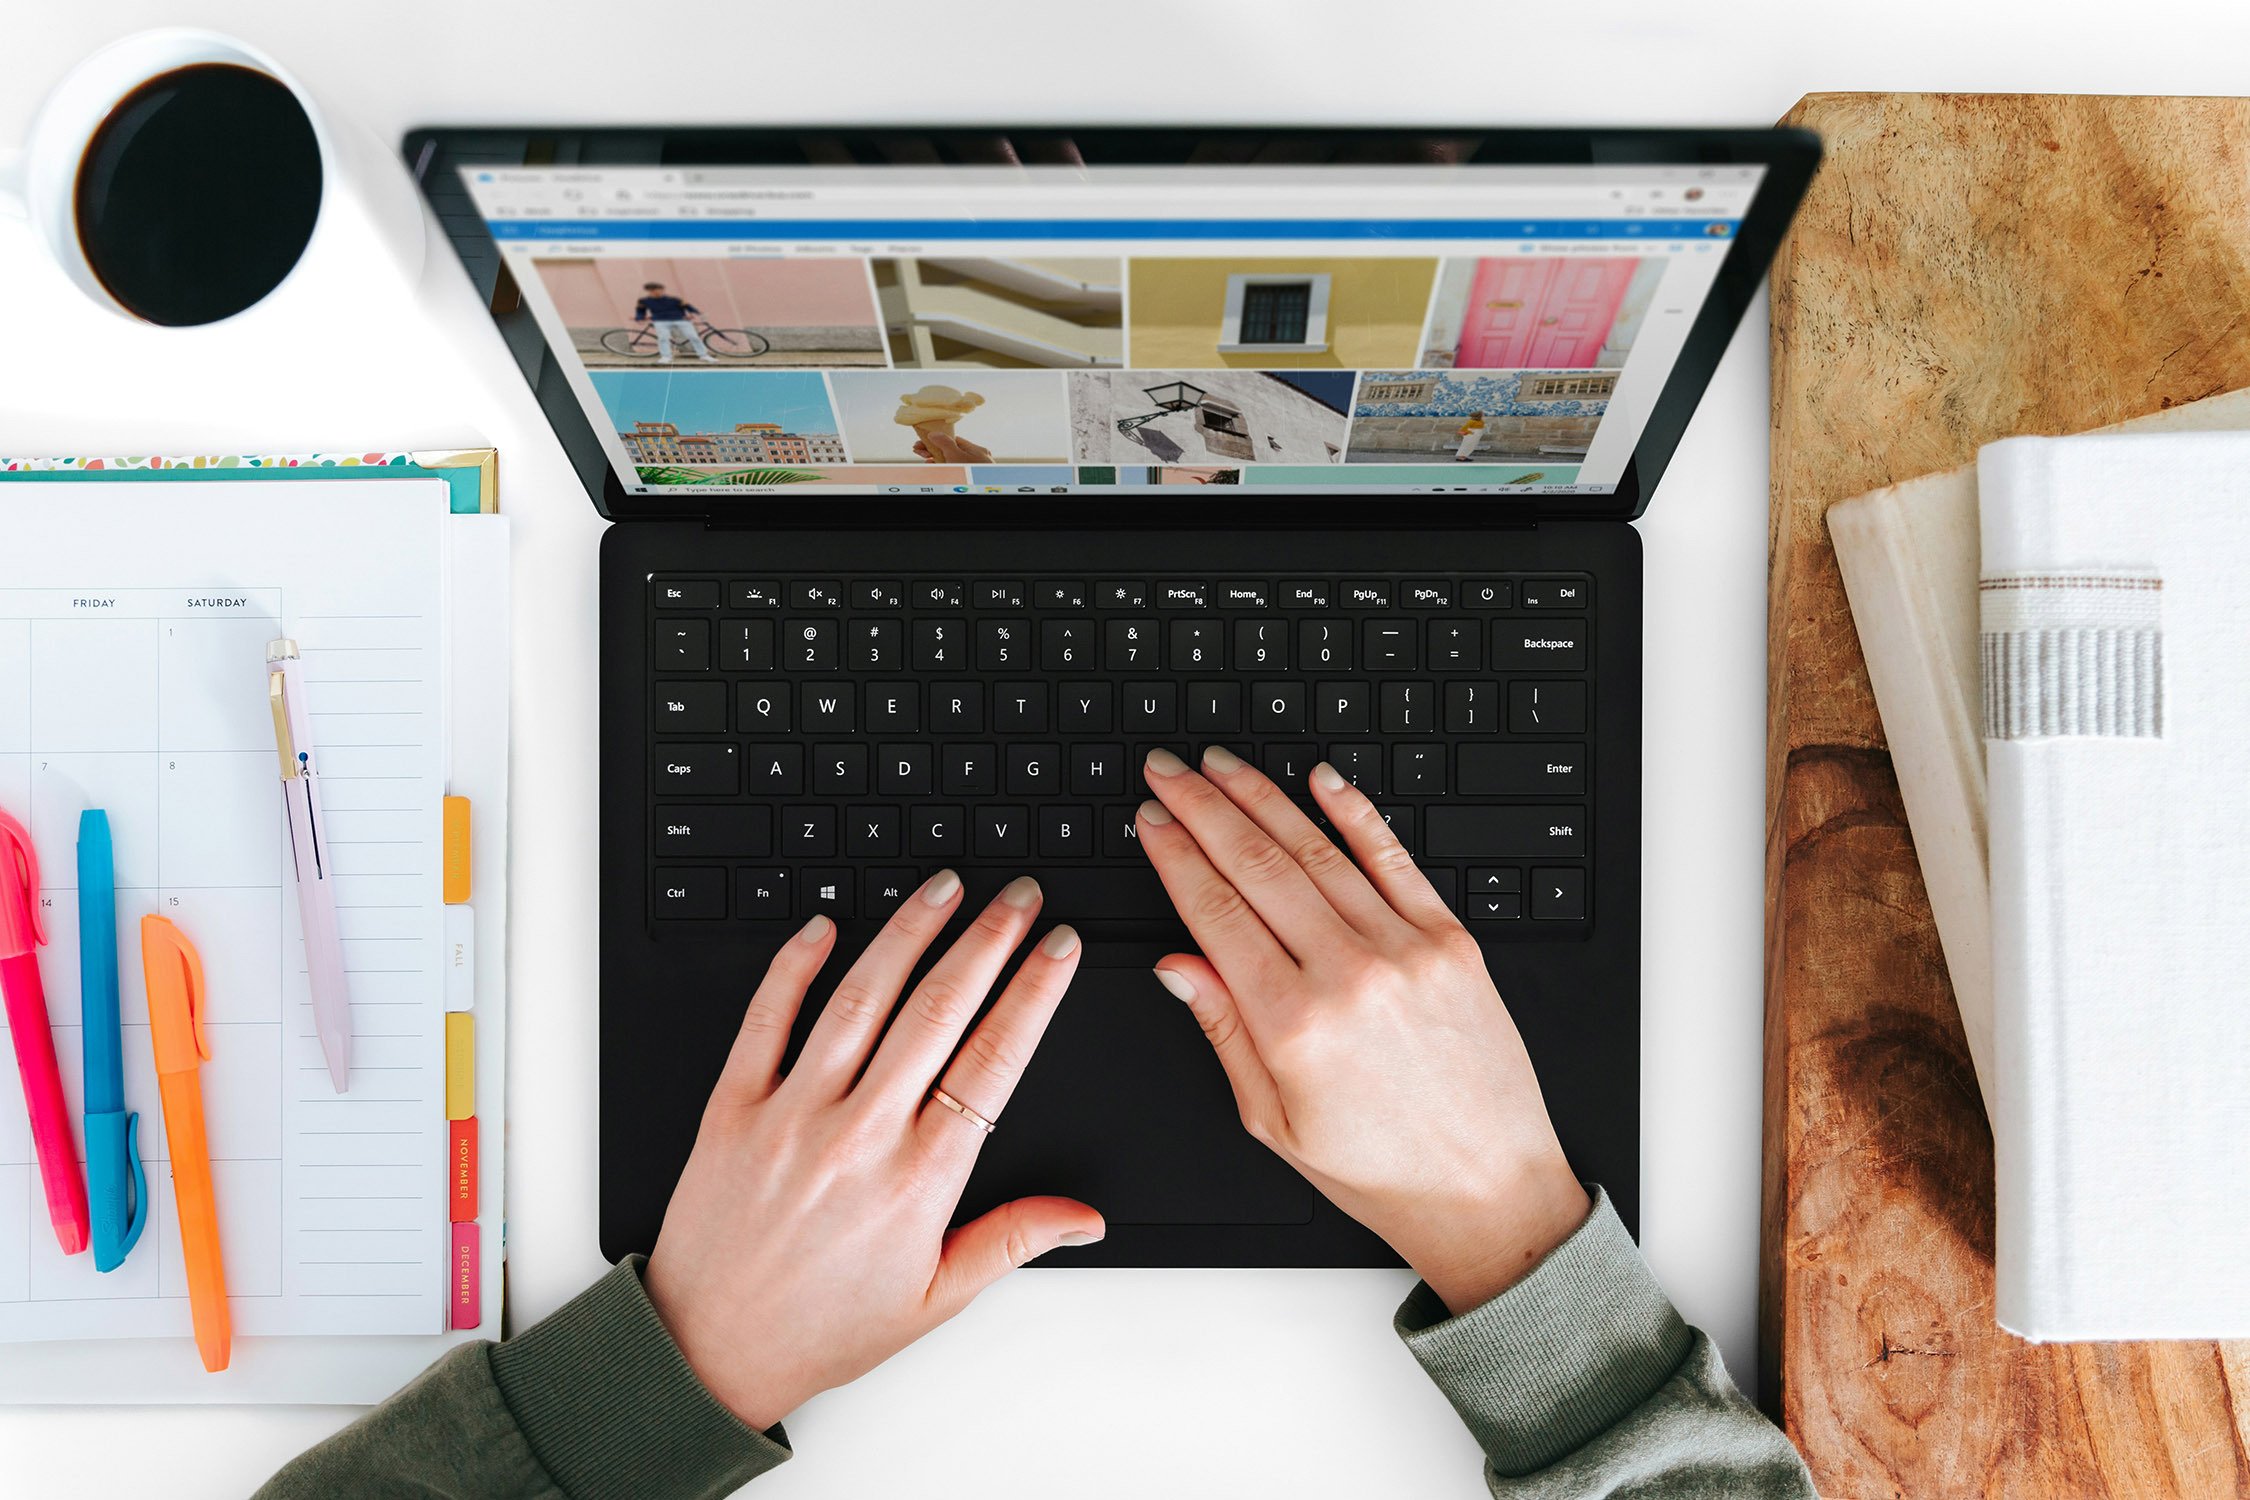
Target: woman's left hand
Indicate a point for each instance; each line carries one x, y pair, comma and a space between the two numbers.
806, 1242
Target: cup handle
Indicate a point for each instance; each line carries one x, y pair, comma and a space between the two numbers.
12, 205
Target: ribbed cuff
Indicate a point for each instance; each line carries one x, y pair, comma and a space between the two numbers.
609, 1404
1559, 1356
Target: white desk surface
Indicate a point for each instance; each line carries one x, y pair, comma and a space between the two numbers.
1092, 1384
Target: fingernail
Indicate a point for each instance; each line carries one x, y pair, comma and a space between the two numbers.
1153, 811
1021, 892
1060, 943
1165, 763
941, 888
1078, 1237
1177, 983
1327, 777
1222, 760
813, 931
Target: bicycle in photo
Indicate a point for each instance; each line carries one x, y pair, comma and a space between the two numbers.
639, 341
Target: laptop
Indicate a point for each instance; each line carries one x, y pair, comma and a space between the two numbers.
951, 473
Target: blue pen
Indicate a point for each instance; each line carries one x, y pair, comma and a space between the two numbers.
117, 1188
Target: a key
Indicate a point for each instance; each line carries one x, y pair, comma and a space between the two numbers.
688, 895
808, 832
1243, 595
1181, 595
810, 645
877, 595
682, 645
1367, 594
1547, 707
1538, 645
1312, 593
1261, 644
1214, 707
885, 891
1342, 708
826, 893
1197, 645
1289, 764
1019, 707
1002, 646
1426, 593
840, 770
1417, 770
938, 645
999, 595
1122, 596
762, 709
804, 595
938, 595
1489, 593
1520, 770
697, 771
754, 595
903, 770
1457, 830
1060, 595
1387, 645
1066, 832
876, 645
1277, 708
827, 706
957, 708
746, 645
1360, 764
936, 833
971, 770
1558, 895
736, 831
1324, 645
1131, 646
1066, 645
1084, 707
1150, 707
1001, 832
1034, 770
1407, 708
1557, 593
874, 832
1455, 646
691, 708
775, 770
894, 707
762, 895
1097, 770
1472, 708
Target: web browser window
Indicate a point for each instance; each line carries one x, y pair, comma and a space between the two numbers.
1079, 332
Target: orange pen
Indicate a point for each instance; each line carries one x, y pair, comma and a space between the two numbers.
175, 1017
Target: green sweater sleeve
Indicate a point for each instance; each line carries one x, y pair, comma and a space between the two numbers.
594, 1401
1581, 1379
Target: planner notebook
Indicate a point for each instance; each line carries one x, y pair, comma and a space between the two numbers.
2116, 718
133, 623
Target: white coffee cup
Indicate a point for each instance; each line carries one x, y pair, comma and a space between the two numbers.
368, 201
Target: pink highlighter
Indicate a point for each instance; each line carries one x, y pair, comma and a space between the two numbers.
21, 933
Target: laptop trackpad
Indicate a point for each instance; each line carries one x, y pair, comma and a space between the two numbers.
1124, 1107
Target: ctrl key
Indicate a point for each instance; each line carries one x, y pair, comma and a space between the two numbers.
1558, 895
689, 894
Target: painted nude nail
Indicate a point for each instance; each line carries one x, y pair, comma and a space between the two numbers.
1222, 760
1060, 943
1165, 763
813, 931
1177, 983
1327, 777
1021, 892
1153, 811
941, 887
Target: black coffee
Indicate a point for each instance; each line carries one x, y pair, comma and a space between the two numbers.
198, 193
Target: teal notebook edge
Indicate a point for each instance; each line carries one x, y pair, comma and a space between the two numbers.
468, 475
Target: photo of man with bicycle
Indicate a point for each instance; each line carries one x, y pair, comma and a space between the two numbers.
667, 316
776, 312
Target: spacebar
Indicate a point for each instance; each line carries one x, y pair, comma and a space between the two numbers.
1123, 894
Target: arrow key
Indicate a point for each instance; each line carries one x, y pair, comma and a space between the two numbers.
1558, 895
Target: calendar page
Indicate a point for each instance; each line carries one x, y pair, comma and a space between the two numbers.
133, 628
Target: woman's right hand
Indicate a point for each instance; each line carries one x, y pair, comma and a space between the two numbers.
1354, 1018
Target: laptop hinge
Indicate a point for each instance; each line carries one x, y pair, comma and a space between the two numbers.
1482, 517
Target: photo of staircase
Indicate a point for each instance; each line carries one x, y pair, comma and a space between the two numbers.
978, 312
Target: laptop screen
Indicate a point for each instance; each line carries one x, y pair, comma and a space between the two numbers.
1083, 332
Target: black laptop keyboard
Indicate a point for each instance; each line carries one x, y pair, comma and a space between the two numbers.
823, 745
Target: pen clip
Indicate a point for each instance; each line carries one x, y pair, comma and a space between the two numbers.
17, 849
139, 1220
284, 743
194, 962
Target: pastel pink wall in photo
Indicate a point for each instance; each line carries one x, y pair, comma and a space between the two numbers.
731, 293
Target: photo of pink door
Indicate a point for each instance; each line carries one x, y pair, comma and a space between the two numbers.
1538, 313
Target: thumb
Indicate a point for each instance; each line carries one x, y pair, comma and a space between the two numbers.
985, 1249
1190, 978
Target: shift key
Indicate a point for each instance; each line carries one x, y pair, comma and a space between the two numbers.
1451, 831
1489, 770
697, 771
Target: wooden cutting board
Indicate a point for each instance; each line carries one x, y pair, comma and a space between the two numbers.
1965, 268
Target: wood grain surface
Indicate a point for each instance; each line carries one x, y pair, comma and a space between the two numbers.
1966, 267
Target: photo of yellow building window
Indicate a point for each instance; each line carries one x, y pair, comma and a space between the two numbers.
1327, 313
